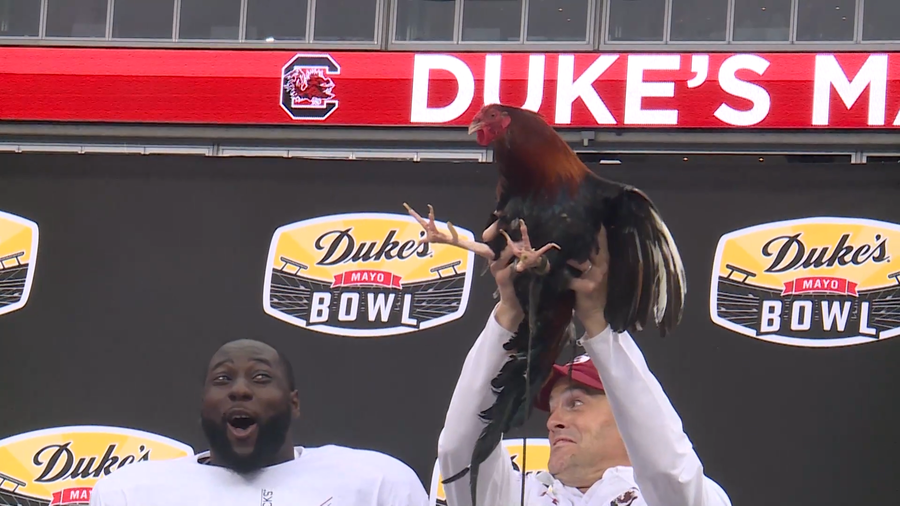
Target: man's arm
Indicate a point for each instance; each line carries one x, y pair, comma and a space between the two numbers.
497, 480
667, 470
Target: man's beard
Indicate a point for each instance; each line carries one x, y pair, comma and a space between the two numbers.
270, 438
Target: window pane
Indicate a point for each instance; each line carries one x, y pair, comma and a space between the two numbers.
76, 18
19, 18
345, 20
698, 20
880, 20
143, 19
557, 20
492, 20
276, 19
636, 20
210, 19
826, 19
425, 20
882, 159
762, 20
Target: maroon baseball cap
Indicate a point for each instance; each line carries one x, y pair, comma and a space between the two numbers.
583, 372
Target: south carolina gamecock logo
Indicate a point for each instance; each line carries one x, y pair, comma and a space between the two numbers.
625, 499
307, 90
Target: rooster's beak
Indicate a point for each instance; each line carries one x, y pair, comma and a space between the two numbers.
475, 126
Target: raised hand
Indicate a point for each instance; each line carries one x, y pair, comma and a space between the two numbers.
591, 287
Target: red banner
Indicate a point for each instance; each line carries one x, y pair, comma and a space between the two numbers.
584, 90
80, 495
820, 284
366, 277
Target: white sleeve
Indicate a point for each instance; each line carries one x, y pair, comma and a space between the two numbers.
498, 481
667, 470
102, 495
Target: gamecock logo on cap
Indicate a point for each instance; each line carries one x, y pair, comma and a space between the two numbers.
307, 89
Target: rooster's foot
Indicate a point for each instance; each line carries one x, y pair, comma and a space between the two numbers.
433, 235
526, 256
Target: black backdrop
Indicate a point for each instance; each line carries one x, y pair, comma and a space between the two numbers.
147, 264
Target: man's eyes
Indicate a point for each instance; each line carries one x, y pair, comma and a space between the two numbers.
224, 378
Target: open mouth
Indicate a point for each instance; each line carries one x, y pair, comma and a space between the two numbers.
241, 424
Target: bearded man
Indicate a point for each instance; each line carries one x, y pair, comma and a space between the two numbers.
249, 404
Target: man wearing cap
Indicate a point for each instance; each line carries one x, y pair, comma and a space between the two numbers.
615, 442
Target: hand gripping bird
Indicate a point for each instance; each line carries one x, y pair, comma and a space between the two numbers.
543, 183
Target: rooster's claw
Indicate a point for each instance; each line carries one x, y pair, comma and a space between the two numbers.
526, 256
433, 235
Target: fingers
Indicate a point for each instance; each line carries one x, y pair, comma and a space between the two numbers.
581, 266
430, 215
503, 261
602, 244
582, 285
490, 233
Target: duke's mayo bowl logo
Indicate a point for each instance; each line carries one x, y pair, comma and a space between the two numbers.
18, 253
812, 282
365, 275
538, 456
60, 466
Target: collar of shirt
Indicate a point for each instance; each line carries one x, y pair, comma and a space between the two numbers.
203, 458
613, 479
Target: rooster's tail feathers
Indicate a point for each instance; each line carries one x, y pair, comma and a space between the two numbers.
548, 326
646, 274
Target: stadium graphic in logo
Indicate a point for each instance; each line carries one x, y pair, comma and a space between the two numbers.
59, 466
18, 253
365, 275
538, 457
307, 90
814, 282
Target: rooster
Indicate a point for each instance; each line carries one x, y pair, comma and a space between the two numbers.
543, 183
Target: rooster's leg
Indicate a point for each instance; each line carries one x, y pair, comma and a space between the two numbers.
490, 233
433, 235
527, 257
